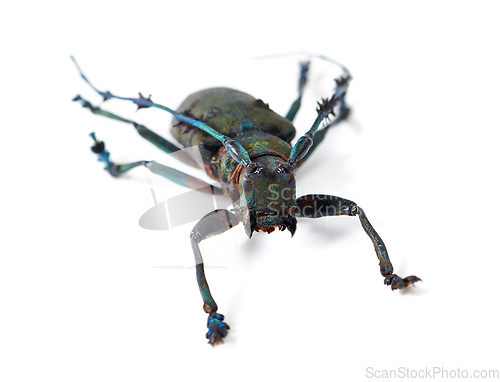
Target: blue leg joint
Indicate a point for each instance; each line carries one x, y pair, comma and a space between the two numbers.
217, 328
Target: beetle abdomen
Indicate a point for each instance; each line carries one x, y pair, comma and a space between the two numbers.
230, 112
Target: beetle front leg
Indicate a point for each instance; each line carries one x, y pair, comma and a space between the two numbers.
215, 223
386, 268
316, 206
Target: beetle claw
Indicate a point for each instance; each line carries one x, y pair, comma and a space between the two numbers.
397, 282
217, 328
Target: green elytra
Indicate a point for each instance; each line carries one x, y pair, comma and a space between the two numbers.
247, 148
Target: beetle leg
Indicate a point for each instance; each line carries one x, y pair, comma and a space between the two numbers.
215, 223
304, 69
143, 131
170, 173
316, 206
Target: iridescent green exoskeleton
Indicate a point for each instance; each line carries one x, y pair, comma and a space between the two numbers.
247, 148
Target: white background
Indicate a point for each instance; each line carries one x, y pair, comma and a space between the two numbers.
86, 294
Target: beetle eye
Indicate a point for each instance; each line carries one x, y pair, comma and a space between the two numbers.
284, 169
254, 169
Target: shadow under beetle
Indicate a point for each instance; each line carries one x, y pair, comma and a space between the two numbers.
247, 148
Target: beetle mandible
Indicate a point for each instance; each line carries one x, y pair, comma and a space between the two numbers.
247, 148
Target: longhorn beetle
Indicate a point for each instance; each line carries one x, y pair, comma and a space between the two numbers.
247, 148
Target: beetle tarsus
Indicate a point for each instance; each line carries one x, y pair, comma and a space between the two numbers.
99, 148
114, 169
397, 282
217, 328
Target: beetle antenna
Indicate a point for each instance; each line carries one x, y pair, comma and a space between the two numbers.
234, 148
309, 56
141, 102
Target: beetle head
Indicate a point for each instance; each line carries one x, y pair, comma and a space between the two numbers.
267, 189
